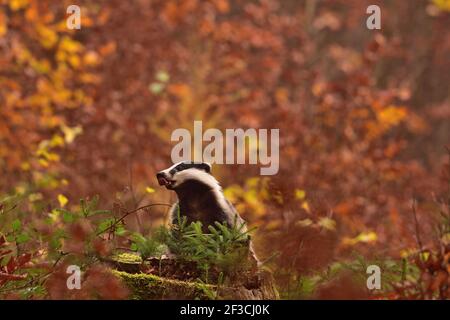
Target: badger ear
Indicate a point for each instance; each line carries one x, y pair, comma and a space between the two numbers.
206, 166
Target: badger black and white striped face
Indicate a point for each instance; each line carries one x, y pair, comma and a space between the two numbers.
181, 172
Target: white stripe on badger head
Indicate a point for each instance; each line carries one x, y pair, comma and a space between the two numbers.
196, 174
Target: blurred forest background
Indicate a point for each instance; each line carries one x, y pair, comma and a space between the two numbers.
363, 117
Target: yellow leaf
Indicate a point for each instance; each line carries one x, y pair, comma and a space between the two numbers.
56, 141
443, 5
51, 156
16, 5
446, 238
305, 205
300, 194
3, 24
41, 66
35, 197
392, 115
47, 37
327, 223
89, 78
364, 237
62, 200
149, 190
69, 45
91, 58
367, 237
273, 225
25, 166
43, 163
74, 60
71, 133
162, 76
20, 190
405, 253
252, 182
424, 256
304, 223
54, 215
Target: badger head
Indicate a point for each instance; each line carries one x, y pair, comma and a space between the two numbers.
185, 171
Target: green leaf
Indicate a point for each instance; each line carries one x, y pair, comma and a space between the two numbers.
88, 206
16, 225
68, 217
106, 224
22, 238
55, 239
120, 230
4, 261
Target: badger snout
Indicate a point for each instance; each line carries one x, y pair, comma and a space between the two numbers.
163, 179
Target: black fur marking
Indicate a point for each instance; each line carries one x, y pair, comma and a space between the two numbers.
188, 165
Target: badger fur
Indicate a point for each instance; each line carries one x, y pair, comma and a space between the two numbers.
200, 196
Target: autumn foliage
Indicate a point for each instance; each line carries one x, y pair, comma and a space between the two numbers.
364, 136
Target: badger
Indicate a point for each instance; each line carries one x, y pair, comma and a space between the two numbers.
200, 197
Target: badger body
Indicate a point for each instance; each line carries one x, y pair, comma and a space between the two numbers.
200, 198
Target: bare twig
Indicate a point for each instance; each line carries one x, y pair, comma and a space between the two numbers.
3, 211
130, 212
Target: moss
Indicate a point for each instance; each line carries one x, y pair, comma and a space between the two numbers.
147, 286
128, 262
127, 258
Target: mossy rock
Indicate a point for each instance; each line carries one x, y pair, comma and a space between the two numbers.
151, 287
145, 286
